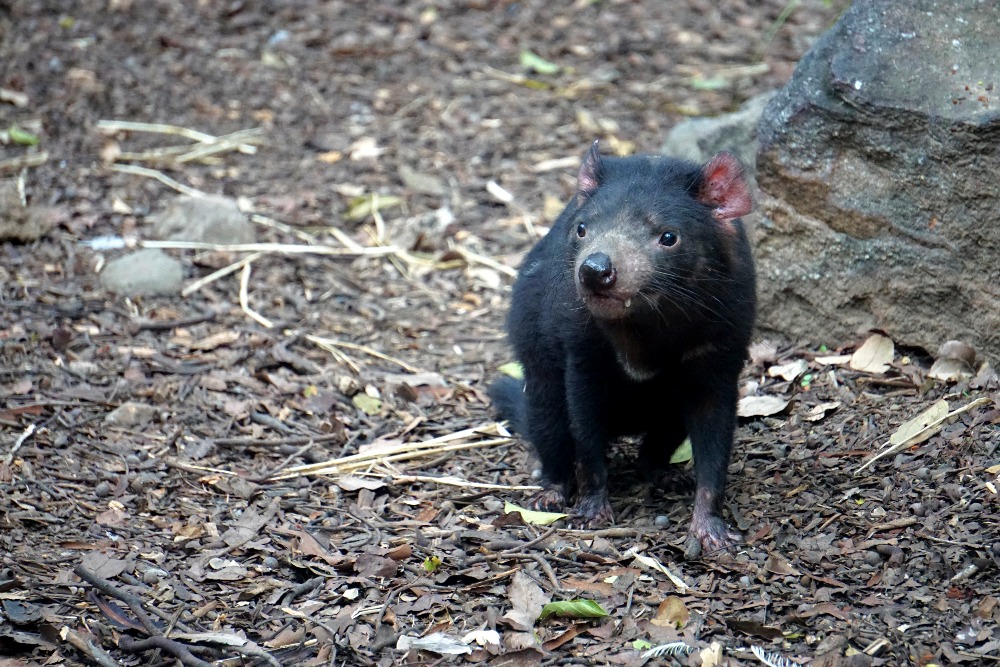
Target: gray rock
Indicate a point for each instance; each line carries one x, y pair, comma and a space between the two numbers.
698, 139
879, 165
143, 273
131, 415
209, 219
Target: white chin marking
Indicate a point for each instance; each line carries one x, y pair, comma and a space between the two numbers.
628, 302
636, 374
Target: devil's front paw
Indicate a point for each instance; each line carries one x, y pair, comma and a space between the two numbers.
592, 510
708, 534
550, 499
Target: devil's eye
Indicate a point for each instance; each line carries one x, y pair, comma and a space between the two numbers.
669, 239
581, 230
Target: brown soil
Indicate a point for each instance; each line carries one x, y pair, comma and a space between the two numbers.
186, 515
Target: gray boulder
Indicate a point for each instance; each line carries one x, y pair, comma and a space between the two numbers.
879, 166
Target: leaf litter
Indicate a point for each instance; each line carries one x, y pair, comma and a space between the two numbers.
232, 523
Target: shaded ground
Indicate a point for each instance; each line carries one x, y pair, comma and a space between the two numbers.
192, 509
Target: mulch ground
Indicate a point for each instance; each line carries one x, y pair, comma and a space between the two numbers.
166, 492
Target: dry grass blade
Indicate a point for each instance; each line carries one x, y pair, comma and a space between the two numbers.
329, 344
245, 300
159, 176
400, 478
277, 248
473, 258
22, 161
112, 126
457, 441
221, 273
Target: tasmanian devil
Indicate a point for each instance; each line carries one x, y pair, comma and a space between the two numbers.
632, 316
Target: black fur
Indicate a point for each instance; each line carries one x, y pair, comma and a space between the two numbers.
665, 368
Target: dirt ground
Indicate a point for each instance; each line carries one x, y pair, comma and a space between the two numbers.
156, 501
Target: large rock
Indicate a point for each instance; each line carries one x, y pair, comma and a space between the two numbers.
879, 166
206, 219
146, 272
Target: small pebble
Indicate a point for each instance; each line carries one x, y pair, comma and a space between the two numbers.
270, 563
975, 507
954, 491
151, 577
102, 489
872, 558
662, 521
132, 459
493, 505
447, 506
918, 509
922, 473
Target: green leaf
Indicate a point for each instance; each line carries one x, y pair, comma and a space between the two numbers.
714, 83
573, 609
432, 563
683, 453
641, 645
513, 369
361, 207
21, 137
533, 62
533, 517
370, 406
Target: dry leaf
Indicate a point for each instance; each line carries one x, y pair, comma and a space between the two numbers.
789, 371
834, 360
778, 565
913, 428
527, 600
875, 355
760, 406
950, 370
672, 613
819, 411
711, 656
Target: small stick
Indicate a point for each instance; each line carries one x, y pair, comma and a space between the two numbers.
244, 300
89, 648
178, 650
166, 325
133, 602
20, 441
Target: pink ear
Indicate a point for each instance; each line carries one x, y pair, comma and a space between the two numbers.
590, 171
724, 187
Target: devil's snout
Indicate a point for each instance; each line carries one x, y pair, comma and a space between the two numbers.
597, 273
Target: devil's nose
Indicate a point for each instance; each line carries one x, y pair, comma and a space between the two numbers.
597, 272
